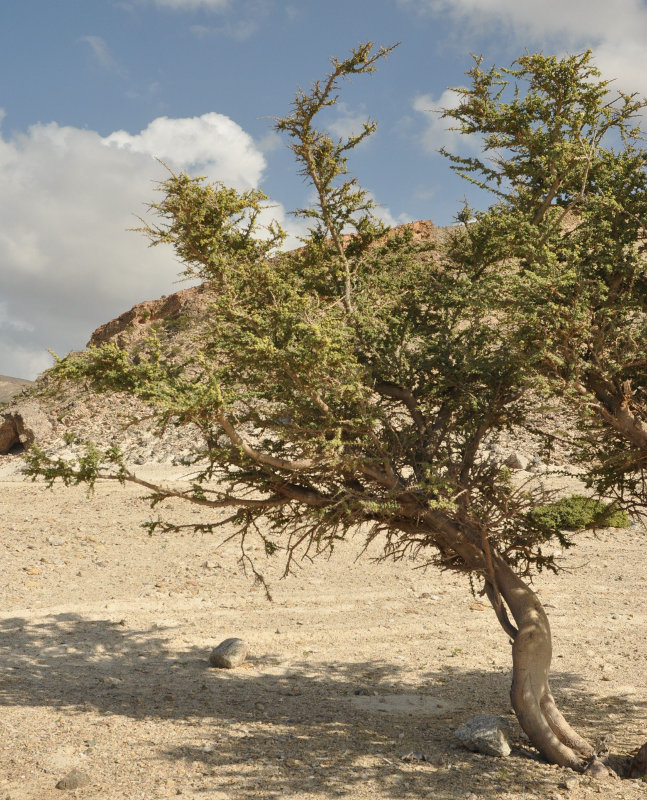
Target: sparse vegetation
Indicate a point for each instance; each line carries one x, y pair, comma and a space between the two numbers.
577, 512
354, 382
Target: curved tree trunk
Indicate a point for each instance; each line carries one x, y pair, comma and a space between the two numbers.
530, 693
531, 697
638, 767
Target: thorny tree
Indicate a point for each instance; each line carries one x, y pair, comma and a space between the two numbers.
351, 385
563, 155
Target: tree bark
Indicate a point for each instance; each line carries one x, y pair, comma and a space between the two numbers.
638, 767
531, 697
530, 693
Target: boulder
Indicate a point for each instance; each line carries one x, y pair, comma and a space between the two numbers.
229, 654
23, 424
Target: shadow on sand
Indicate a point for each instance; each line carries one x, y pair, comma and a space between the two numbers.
245, 720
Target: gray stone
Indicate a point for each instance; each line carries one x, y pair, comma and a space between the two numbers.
229, 654
23, 424
569, 783
516, 461
486, 734
73, 780
414, 756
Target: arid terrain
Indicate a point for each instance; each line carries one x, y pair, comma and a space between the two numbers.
356, 671
9, 387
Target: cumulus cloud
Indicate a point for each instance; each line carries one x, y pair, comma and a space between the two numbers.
67, 197
616, 31
212, 144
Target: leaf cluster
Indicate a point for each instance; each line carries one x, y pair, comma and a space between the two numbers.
354, 383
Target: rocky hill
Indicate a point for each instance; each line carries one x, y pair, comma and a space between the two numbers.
55, 412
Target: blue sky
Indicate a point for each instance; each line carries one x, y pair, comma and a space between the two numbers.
93, 90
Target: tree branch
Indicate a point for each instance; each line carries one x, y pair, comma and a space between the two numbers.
298, 465
405, 396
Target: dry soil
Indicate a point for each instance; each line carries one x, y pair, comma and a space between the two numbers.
105, 635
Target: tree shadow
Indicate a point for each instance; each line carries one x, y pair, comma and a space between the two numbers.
284, 727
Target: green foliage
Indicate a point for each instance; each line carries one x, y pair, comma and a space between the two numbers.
577, 512
354, 381
322, 161
212, 228
563, 153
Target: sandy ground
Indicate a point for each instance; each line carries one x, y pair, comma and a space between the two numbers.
105, 635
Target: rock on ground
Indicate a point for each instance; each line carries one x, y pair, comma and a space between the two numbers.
486, 734
73, 780
229, 654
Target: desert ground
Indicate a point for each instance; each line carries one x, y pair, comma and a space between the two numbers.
358, 672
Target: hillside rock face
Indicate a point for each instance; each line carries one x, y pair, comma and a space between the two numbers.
56, 410
22, 425
135, 324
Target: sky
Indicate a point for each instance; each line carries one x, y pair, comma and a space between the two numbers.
93, 92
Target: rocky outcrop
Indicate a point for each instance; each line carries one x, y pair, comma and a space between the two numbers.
135, 324
22, 424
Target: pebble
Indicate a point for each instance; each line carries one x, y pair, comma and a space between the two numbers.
569, 783
414, 756
73, 780
228, 654
516, 461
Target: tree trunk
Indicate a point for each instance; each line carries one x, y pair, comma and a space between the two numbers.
531, 697
638, 767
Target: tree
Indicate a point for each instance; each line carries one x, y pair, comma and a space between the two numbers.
351, 385
563, 154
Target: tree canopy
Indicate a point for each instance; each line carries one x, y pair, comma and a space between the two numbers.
352, 384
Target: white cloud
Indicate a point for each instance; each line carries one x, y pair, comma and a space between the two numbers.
346, 123
245, 20
437, 132
384, 214
67, 197
292, 12
103, 55
212, 144
189, 5
616, 31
